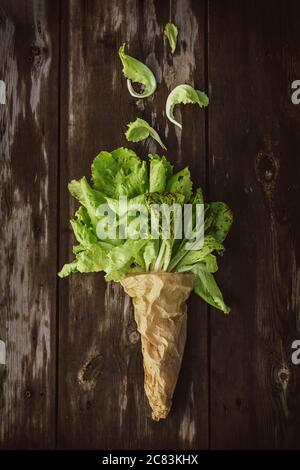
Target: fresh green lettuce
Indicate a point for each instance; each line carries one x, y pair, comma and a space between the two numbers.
122, 173
184, 94
137, 72
171, 33
140, 130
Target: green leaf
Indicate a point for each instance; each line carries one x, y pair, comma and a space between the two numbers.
184, 94
137, 72
221, 220
181, 183
150, 253
124, 259
195, 256
171, 32
160, 172
93, 259
68, 268
120, 173
88, 197
140, 130
207, 288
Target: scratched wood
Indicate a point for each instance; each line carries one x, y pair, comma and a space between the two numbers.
101, 402
28, 152
254, 146
66, 100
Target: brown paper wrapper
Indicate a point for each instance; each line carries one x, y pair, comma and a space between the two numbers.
159, 301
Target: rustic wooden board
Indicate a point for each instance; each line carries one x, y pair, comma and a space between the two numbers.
28, 152
66, 101
254, 164
100, 395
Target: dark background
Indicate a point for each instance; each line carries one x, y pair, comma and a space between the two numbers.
73, 377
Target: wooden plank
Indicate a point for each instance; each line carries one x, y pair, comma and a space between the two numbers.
101, 398
28, 152
254, 165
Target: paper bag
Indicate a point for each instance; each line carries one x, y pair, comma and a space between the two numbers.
159, 301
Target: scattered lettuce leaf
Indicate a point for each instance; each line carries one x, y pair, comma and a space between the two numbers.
140, 130
137, 72
184, 94
171, 33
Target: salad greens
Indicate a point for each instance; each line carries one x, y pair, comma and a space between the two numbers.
171, 33
122, 173
184, 94
137, 72
140, 130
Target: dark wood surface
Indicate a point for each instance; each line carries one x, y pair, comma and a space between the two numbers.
73, 377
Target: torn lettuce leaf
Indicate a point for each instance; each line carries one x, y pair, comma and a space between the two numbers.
140, 130
184, 94
171, 33
137, 72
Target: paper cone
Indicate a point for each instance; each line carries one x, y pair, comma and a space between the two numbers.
160, 314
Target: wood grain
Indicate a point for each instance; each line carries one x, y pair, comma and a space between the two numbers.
28, 152
66, 99
254, 146
101, 398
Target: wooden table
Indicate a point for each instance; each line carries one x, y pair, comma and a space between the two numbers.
73, 375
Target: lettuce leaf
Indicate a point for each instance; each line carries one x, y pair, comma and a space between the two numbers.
184, 94
140, 130
120, 173
137, 72
221, 220
160, 172
181, 183
207, 288
171, 33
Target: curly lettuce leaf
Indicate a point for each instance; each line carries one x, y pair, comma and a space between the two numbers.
184, 94
91, 259
120, 173
160, 172
221, 220
181, 183
140, 130
137, 72
87, 196
195, 256
125, 259
171, 33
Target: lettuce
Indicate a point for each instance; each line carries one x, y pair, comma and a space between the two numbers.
160, 172
137, 72
171, 33
184, 94
140, 130
122, 173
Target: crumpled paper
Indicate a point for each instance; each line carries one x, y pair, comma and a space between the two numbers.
159, 301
